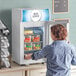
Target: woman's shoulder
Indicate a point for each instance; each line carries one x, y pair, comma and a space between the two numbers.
71, 46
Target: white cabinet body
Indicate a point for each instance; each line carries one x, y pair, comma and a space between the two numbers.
13, 73
73, 72
37, 72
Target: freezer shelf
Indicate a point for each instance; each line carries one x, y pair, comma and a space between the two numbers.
33, 31
32, 38
32, 46
34, 42
27, 52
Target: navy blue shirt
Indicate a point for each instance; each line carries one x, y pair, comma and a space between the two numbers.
60, 55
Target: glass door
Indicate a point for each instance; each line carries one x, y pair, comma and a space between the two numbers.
33, 40
49, 35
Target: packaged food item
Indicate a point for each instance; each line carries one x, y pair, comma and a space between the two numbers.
28, 47
35, 38
36, 46
27, 39
27, 56
26, 32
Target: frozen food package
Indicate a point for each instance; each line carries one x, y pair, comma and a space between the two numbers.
27, 39
26, 32
28, 46
35, 38
27, 55
36, 46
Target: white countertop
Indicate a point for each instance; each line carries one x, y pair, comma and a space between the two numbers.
15, 67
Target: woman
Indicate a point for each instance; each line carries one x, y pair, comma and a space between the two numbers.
60, 54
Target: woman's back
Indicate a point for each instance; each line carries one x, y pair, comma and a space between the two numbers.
59, 58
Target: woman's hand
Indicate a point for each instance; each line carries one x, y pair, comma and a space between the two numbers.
28, 56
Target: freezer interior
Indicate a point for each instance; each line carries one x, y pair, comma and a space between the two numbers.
33, 40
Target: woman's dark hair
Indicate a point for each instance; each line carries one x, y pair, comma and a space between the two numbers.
59, 31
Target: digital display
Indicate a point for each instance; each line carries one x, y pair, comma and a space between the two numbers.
35, 15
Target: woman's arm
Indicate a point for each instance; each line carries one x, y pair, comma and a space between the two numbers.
73, 62
39, 54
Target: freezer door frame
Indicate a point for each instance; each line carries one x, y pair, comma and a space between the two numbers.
28, 25
48, 33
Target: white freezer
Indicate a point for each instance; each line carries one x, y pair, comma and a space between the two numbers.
23, 44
